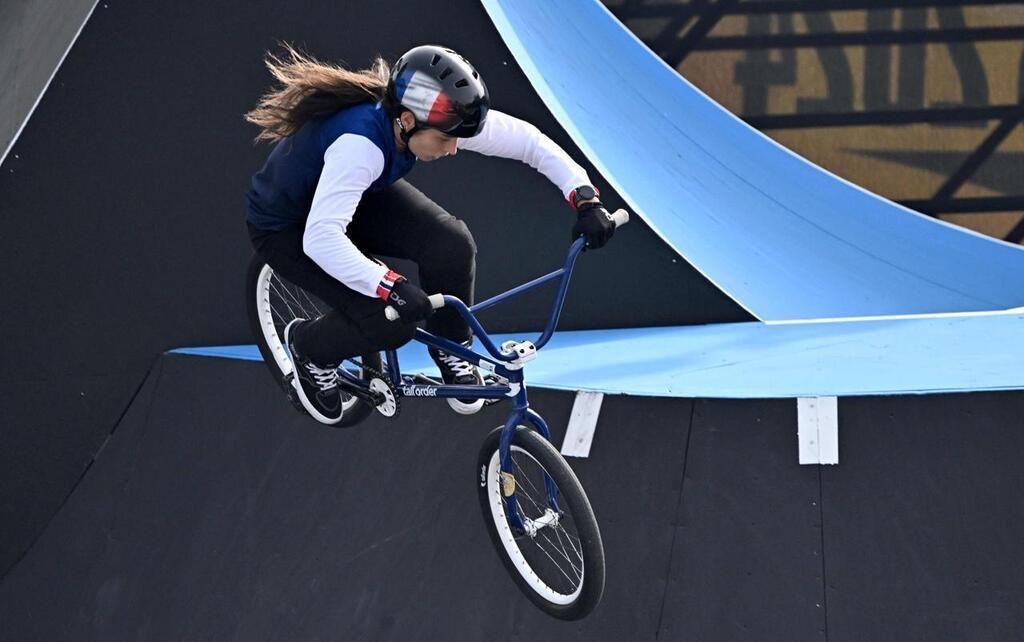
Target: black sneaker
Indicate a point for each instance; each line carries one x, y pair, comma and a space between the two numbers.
317, 385
455, 371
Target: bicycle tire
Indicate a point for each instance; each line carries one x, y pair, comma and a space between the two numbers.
516, 550
272, 302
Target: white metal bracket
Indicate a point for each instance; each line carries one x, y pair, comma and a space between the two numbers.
818, 429
582, 423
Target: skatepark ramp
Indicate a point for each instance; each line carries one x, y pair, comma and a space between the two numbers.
215, 511
781, 236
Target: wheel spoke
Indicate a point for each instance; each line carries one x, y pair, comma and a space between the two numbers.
522, 493
560, 547
316, 307
280, 316
289, 289
282, 299
556, 565
524, 486
573, 541
524, 475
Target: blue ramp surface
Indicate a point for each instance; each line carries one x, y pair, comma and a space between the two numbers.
943, 353
781, 236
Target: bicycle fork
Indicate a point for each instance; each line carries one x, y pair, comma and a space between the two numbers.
521, 415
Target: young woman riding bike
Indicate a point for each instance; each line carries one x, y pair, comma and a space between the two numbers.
332, 194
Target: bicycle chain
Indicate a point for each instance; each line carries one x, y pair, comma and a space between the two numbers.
398, 398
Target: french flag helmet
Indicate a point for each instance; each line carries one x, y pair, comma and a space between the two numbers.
441, 89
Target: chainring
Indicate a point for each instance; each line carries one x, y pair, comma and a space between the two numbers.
389, 401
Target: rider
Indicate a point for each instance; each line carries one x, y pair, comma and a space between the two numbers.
331, 193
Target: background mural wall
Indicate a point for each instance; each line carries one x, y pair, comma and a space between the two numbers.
917, 101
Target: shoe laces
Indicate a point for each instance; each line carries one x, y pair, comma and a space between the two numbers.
458, 366
325, 378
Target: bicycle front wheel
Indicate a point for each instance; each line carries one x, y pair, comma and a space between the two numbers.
553, 551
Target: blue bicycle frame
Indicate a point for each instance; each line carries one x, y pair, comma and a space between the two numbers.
507, 368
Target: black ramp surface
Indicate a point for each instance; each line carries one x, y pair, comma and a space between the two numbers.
217, 512
42, 459
122, 207
924, 521
633, 478
746, 563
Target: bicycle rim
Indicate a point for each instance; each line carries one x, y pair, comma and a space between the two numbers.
278, 303
551, 562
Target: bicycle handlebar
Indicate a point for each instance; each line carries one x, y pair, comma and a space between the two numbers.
436, 302
620, 218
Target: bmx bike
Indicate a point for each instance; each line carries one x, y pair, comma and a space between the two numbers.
536, 512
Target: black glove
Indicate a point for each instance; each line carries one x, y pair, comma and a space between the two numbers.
410, 301
595, 223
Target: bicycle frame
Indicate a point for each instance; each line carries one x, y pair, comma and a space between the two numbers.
506, 367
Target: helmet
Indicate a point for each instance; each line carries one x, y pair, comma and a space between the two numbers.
441, 89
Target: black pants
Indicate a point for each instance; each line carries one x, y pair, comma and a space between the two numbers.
399, 222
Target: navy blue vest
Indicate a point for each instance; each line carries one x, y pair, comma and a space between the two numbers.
282, 192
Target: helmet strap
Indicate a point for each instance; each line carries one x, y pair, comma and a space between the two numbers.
406, 134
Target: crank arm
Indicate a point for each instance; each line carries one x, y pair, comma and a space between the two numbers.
373, 398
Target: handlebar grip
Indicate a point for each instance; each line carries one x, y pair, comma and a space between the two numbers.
436, 302
620, 218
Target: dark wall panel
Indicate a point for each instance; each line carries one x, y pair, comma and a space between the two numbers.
924, 520
746, 563
633, 477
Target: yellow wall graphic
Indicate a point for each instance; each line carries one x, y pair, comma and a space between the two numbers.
783, 72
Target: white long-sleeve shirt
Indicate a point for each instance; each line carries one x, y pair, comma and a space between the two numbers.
353, 162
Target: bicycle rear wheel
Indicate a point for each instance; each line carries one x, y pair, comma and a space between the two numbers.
560, 565
273, 302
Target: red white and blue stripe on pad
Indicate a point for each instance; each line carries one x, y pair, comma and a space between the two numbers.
387, 284
423, 96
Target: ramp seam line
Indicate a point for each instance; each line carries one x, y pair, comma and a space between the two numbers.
821, 519
85, 471
675, 520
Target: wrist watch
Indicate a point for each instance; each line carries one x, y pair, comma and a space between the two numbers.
583, 194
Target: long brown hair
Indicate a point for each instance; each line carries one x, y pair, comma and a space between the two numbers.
310, 88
